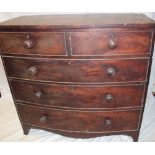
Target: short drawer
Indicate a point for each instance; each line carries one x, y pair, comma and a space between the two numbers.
79, 121
82, 97
41, 43
77, 70
110, 42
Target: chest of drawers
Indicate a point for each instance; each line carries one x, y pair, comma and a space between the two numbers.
79, 75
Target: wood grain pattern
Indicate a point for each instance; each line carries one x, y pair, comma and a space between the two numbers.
83, 121
42, 43
73, 65
95, 42
84, 71
67, 21
70, 96
11, 129
133, 133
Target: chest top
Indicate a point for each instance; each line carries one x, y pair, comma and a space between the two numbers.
69, 21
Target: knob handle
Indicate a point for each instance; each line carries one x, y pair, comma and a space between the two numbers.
109, 98
112, 44
111, 71
43, 119
108, 122
38, 94
28, 44
32, 70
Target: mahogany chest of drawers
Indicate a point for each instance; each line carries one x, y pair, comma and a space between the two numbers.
80, 75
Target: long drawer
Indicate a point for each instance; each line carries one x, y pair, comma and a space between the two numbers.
78, 70
110, 42
70, 96
31, 43
79, 121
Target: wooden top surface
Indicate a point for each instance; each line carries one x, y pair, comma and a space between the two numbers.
78, 21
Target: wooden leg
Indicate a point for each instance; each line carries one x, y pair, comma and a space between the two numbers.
26, 129
134, 135
135, 139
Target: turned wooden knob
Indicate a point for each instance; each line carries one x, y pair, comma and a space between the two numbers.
38, 94
112, 44
32, 70
43, 119
108, 122
28, 44
111, 71
109, 98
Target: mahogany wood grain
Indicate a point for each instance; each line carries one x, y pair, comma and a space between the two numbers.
68, 21
62, 69
82, 71
70, 96
134, 133
42, 43
96, 42
86, 121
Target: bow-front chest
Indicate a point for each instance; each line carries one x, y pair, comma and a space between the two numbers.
80, 75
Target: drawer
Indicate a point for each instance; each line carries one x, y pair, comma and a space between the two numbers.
77, 70
110, 42
72, 96
86, 121
41, 43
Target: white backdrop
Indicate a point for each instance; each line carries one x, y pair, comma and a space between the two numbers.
148, 124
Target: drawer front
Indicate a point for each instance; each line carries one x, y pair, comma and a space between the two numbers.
82, 71
110, 42
69, 96
33, 43
87, 121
